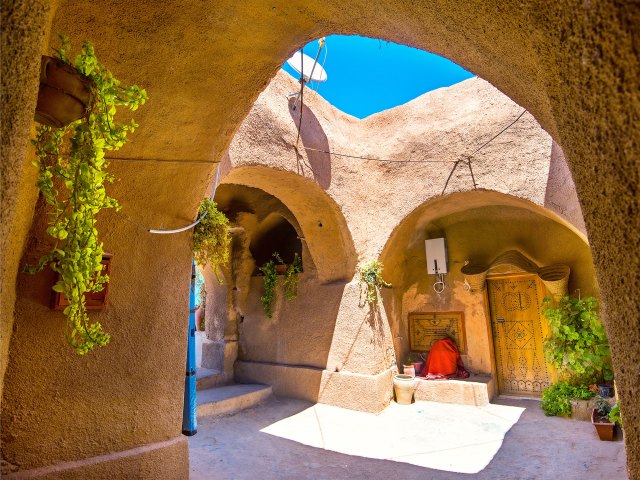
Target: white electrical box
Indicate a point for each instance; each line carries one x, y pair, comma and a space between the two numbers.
436, 255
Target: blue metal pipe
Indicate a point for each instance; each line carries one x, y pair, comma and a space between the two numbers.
189, 419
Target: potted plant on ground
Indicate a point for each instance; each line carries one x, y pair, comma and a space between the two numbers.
72, 181
600, 420
408, 368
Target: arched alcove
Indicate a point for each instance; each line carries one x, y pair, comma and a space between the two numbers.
478, 226
322, 227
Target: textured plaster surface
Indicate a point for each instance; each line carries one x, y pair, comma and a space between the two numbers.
574, 67
24, 36
561, 195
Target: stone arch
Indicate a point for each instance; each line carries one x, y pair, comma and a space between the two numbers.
575, 68
323, 228
478, 226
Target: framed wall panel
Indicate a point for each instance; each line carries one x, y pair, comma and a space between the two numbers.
426, 328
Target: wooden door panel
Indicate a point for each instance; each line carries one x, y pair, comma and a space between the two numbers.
518, 329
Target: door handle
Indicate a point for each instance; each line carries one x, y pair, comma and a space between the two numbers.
500, 320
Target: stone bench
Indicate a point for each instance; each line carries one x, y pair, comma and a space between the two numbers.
475, 390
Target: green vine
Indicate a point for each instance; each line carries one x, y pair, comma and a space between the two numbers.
211, 238
291, 278
270, 280
370, 280
578, 346
74, 186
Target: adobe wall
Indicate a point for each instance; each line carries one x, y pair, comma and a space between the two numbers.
574, 67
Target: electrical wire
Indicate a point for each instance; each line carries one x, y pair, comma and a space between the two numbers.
175, 230
376, 159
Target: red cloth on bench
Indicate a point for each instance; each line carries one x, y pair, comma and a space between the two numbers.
444, 359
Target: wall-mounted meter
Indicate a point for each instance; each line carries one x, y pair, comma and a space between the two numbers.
436, 256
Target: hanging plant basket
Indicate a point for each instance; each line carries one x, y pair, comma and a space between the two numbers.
65, 95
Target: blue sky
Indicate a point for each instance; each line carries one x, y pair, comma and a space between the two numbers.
366, 75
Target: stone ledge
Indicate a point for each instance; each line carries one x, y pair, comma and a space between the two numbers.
287, 380
475, 390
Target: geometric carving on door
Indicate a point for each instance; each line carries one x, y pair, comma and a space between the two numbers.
518, 329
520, 335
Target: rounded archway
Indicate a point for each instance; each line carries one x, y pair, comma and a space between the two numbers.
575, 68
478, 226
322, 226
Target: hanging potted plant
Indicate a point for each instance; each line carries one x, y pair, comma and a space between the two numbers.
74, 187
211, 238
371, 280
270, 280
291, 278
65, 95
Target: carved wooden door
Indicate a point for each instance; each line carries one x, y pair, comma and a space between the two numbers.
518, 329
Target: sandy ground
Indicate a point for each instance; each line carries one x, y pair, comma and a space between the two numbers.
536, 447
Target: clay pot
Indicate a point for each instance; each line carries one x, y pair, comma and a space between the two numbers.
64, 96
604, 429
409, 370
281, 269
199, 319
403, 386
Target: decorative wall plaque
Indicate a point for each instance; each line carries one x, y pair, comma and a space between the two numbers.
426, 328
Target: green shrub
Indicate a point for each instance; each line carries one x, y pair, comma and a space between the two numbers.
614, 415
370, 280
556, 399
578, 346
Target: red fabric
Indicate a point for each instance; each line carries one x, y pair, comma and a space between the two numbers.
444, 359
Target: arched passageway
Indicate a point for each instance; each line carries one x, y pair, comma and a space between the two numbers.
574, 67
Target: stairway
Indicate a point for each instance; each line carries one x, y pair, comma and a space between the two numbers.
216, 397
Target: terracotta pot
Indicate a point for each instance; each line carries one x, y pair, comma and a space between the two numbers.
403, 386
199, 319
409, 370
604, 429
64, 96
281, 269
417, 366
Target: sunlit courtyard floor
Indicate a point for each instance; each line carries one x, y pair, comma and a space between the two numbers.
292, 439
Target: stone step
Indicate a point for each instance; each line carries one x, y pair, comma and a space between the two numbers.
207, 378
230, 399
475, 390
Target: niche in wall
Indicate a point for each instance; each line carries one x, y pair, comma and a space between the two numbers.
275, 234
